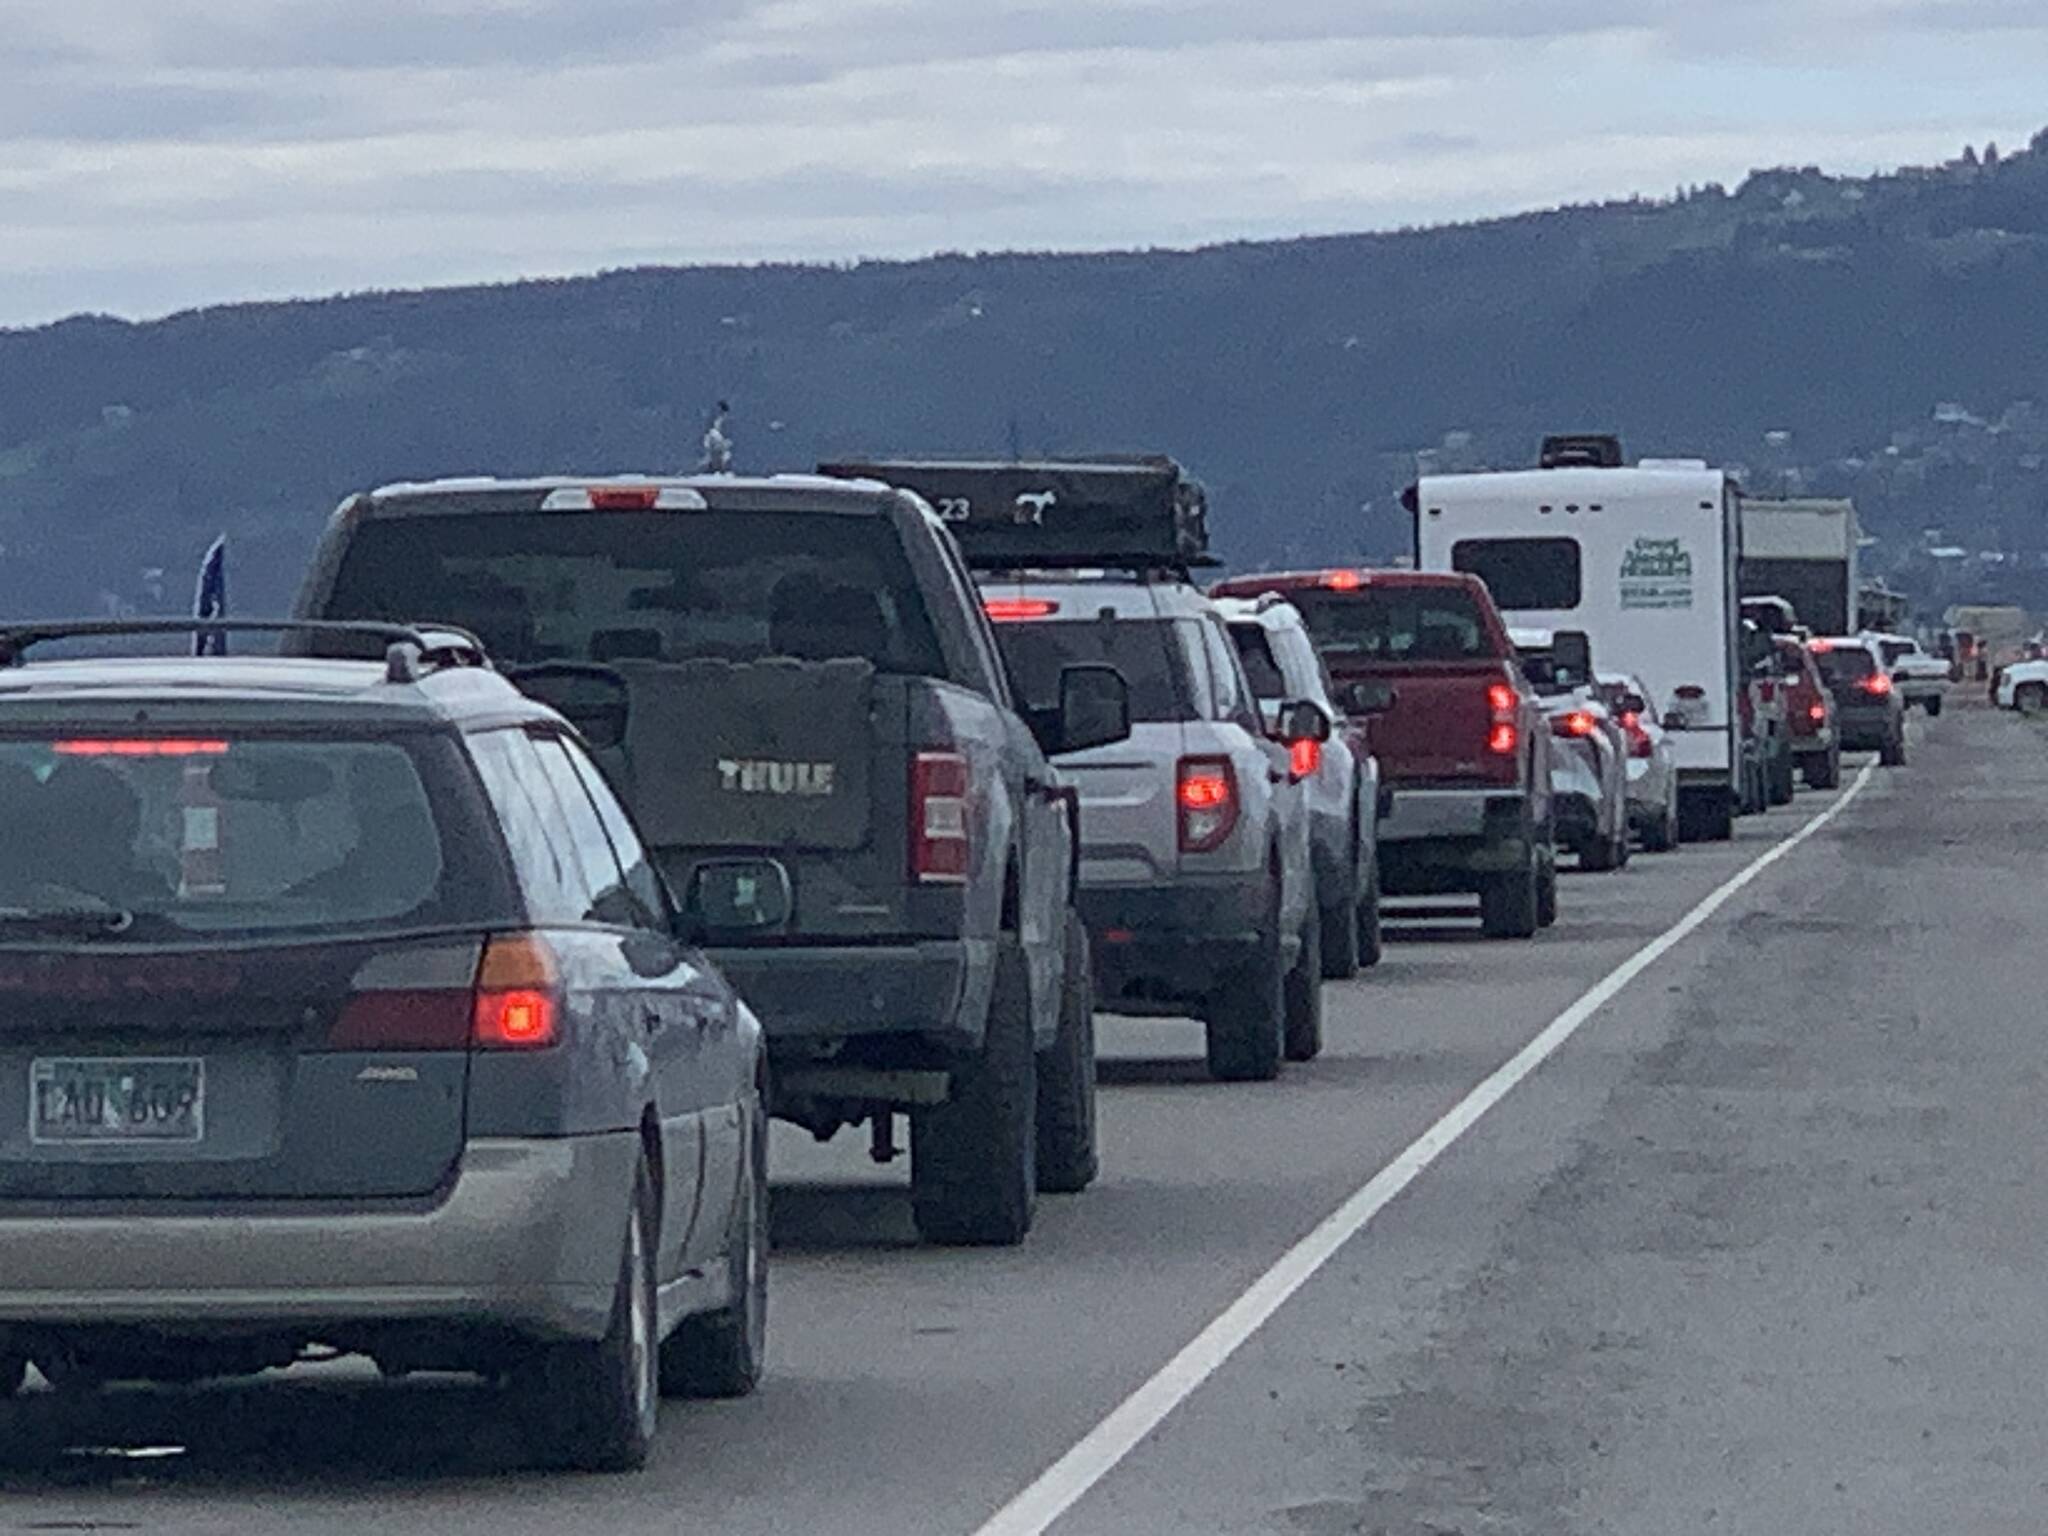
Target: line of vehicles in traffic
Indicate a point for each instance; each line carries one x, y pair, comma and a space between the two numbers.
424, 990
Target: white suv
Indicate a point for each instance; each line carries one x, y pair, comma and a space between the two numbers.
1341, 778
1196, 881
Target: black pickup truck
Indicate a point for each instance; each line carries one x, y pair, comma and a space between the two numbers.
793, 683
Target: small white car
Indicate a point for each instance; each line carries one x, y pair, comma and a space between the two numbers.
1921, 679
1652, 768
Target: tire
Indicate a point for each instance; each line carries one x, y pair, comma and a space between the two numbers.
1600, 855
973, 1173
1784, 780
1825, 771
1246, 1015
1509, 904
1661, 834
601, 1401
1340, 925
1893, 753
1304, 1039
2030, 698
1372, 944
1934, 707
1546, 890
722, 1354
1707, 816
1067, 1157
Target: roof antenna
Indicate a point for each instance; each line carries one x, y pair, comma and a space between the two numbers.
717, 445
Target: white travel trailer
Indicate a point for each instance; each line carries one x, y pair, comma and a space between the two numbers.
1643, 561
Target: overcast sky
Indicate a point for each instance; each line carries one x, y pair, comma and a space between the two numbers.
157, 154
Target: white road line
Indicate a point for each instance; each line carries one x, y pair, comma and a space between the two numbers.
1068, 1480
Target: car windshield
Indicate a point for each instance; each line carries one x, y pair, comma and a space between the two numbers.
656, 586
1152, 655
1396, 624
154, 838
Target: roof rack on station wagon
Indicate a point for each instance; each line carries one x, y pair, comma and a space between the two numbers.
411, 650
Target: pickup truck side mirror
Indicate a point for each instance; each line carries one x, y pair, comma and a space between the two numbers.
1367, 697
1094, 711
1304, 720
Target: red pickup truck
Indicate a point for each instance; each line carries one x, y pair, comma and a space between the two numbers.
1462, 742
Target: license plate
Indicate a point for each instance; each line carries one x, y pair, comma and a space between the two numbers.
88, 1101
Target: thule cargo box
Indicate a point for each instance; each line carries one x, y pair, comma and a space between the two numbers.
1057, 514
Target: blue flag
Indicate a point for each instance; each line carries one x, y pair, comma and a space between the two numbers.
211, 600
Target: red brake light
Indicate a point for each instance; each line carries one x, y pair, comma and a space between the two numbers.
1820, 647
146, 746
939, 849
1578, 723
1206, 790
624, 498
1009, 610
1639, 743
1343, 581
1304, 758
1878, 684
1503, 736
1817, 713
517, 1005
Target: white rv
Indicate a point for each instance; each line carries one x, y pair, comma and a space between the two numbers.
1644, 561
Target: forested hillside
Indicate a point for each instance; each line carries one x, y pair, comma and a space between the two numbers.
1883, 337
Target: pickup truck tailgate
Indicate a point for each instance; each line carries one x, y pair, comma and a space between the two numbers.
1438, 726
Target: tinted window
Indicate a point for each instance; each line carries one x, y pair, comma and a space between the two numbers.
1845, 665
1397, 624
1261, 667
228, 836
642, 883
1894, 649
1145, 651
670, 586
1233, 695
1523, 573
557, 878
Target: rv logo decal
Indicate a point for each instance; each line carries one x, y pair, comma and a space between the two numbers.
1656, 573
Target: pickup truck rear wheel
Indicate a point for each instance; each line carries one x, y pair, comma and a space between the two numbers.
1824, 771
1305, 994
1893, 753
1067, 1158
1783, 785
1933, 705
1546, 888
1508, 903
973, 1173
1246, 1015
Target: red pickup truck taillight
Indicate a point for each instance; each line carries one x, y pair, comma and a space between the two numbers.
1503, 737
938, 818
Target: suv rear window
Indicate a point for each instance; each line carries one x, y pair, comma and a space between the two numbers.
1396, 624
1150, 653
222, 836
1845, 664
660, 586
1261, 666
1523, 574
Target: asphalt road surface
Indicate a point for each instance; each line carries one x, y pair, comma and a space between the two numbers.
1756, 1246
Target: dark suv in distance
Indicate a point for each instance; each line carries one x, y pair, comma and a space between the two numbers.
346, 1009
791, 682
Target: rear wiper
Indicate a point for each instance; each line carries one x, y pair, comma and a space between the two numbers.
80, 921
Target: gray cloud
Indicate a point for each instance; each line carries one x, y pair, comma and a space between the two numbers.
208, 149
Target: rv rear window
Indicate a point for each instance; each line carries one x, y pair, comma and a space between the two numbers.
1523, 574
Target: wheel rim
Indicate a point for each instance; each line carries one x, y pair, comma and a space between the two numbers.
640, 1345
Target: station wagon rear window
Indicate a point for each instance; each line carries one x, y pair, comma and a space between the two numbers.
656, 586
1523, 575
1396, 624
156, 838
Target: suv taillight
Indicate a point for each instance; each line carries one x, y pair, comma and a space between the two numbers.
1205, 793
1639, 743
1877, 685
1502, 736
938, 818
